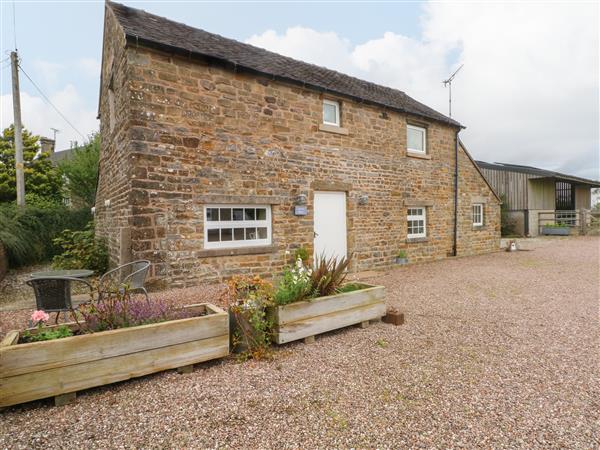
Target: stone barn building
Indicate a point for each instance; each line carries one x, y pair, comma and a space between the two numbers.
220, 158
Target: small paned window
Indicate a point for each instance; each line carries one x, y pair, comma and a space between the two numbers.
229, 226
478, 214
417, 223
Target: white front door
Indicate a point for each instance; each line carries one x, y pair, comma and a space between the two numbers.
330, 224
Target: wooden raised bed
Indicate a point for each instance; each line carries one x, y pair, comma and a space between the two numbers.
308, 318
62, 367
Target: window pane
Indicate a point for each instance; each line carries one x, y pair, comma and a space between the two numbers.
213, 235
226, 234
415, 139
238, 214
261, 214
329, 113
250, 233
249, 214
212, 214
238, 234
225, 214
262, 233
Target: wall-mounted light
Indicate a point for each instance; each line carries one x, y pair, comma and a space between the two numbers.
363, 199
301, 199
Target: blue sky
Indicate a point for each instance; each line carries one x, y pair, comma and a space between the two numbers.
54, 37
528, 93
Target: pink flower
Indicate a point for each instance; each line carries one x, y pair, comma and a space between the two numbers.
39, 316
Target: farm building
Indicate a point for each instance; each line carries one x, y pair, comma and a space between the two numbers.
220, 158
536, 197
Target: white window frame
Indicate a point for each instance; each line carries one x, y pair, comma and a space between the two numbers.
477, 223
220, 224
422, 216
337, 113
416, 128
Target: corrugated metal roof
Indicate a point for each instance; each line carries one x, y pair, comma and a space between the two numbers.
542, 173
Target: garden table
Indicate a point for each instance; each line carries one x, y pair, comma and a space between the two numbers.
75, 273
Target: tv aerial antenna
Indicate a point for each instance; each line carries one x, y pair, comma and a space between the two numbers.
448, 83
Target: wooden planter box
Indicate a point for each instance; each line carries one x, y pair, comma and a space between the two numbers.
556, 231
308, 318
61, 367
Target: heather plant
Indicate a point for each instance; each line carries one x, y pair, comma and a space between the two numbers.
120, 310
248, 298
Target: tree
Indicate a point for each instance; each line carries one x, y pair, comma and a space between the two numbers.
81, 172
596, 195
42, 179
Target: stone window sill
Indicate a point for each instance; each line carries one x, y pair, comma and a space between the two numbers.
478, 227
259, 249
333, 129
415, 240
417, 155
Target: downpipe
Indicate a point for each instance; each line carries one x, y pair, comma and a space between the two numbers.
455, 243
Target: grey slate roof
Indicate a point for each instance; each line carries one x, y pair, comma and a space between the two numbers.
542, 173
149, 30
62, 155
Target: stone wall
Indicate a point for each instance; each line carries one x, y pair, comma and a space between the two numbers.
199, 133
113, 211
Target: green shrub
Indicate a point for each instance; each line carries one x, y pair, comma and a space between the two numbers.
507, 225
47, 335
302, 254
295, 285
81, 250
28, 232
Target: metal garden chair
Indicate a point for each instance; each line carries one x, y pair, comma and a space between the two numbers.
131, 275
53, 294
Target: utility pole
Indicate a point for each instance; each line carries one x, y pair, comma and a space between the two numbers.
20, 175
448, 83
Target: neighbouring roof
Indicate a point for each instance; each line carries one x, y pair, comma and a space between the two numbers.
62, 155
158, 32
542, 173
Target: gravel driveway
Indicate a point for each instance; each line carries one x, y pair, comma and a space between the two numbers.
498, 351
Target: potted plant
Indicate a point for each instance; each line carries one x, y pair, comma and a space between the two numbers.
249, 328
113, 340
401, 258
311, 301
556, 229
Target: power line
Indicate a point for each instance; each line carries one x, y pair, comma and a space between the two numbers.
51, 104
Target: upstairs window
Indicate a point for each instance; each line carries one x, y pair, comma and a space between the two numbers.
231, 226
331, 113
416, 139
417, 223
478, 214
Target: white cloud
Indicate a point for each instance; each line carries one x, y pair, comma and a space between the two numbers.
38, 117
50, 71
528, 92
89, 66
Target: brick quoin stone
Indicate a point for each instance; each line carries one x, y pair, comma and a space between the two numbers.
176, 131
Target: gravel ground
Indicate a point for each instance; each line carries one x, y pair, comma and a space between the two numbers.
498, 351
